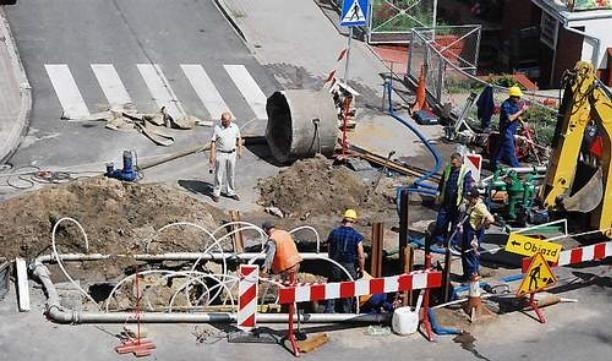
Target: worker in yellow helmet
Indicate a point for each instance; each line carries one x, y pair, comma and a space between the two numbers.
509, 118
345, 246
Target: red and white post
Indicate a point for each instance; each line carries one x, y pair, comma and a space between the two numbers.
247, 297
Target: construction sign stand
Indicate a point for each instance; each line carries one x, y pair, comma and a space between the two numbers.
138, 346
538, 277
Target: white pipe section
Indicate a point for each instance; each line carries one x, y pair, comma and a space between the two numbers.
58, 314
173, 256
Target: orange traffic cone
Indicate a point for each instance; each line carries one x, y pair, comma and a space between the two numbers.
421, 94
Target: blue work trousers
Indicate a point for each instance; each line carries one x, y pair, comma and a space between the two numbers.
506, 152
470, 260
447, 215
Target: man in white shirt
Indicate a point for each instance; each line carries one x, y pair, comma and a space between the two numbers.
225, 143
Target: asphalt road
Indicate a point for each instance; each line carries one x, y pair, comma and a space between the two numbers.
69, 36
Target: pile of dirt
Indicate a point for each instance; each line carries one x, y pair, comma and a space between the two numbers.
119, 218
315, 187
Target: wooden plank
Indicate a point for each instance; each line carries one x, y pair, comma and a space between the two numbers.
22, 285
237, 237
313, 342
380, 160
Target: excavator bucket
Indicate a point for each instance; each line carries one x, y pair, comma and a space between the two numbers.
588, 197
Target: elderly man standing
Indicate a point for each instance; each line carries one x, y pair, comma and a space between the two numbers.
225, 143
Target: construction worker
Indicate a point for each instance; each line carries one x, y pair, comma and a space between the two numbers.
282, 256
509, 120
478, 218
455, 181
345, 246
378, 302
225, 144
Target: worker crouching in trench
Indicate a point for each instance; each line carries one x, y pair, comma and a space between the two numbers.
282, 256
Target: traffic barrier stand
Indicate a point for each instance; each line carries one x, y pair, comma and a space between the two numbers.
138, 346
326, 291
538, 277
247, 309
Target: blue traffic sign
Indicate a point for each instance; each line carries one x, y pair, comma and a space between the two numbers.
354, 13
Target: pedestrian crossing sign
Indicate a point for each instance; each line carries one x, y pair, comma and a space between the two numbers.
354, 13
538, 277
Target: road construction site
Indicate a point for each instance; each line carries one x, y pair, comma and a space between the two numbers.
98, 262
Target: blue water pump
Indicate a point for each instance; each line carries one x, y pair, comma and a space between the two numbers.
129, 172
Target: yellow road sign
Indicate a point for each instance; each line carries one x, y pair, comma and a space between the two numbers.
538, 277
529, 246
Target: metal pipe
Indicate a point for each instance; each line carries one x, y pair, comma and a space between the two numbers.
173, 256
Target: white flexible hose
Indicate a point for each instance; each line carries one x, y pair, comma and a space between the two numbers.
58, 259
310, 229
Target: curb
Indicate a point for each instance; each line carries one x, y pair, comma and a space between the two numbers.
226, 11
13, 141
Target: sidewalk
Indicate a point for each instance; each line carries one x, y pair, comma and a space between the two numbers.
16, 99
297, 42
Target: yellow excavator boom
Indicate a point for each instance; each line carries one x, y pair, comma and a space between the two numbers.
585, 101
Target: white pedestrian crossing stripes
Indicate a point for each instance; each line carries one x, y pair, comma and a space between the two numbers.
112, 81
206, 90
66, 89
160, 89
249, 89
111, 84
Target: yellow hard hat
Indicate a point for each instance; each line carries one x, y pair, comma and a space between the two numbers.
515, 91
350, 214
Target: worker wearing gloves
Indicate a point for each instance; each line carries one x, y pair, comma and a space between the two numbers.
509, 120
455, 181
478, 218
345, 246
225, 145
282, 256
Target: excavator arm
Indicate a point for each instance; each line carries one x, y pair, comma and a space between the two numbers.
585, 101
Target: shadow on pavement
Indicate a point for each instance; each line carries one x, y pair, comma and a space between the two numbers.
196, 186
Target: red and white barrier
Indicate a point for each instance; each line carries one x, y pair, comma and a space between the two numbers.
327, 291
247, 297
593, 252
474, 164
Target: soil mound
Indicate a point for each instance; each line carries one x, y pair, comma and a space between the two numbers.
119, 218
315, 187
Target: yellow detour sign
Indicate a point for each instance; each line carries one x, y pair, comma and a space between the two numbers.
529, 246
538, 277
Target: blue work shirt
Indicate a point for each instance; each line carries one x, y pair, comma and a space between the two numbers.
506, 128
343, 243
450, 195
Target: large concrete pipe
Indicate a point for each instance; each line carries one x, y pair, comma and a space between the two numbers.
301, 123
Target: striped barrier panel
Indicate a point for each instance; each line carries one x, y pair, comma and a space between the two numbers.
593, 252
247, 296
327, 291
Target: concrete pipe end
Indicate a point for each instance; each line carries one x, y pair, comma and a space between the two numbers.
301, 123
